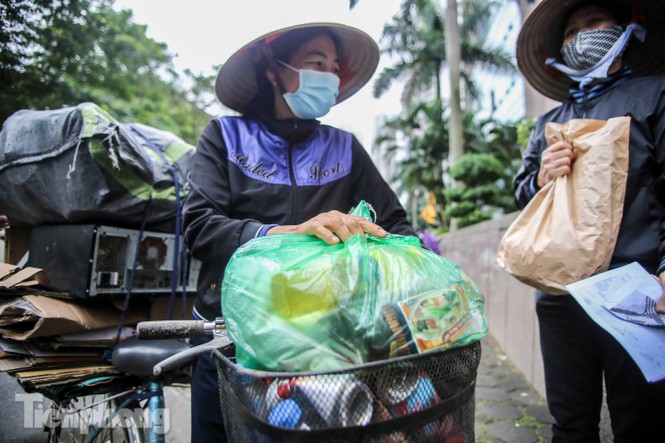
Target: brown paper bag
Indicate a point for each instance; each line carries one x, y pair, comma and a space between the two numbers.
569, 229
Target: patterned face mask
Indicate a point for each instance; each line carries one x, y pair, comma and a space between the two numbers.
600, 69
589, 47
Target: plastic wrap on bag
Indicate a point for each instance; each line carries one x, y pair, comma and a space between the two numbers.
295, 303
79, 165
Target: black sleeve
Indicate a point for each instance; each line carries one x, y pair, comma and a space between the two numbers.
525, 182
370, 186
658, 132
211, 235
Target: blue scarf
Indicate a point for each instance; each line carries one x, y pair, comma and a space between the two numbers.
583, 93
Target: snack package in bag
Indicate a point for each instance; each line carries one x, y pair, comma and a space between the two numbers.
295, 303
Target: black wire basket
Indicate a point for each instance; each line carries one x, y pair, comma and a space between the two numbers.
427, 397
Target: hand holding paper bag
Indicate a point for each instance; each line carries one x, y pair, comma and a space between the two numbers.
568, 230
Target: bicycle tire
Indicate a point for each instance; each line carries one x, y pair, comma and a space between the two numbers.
74, 420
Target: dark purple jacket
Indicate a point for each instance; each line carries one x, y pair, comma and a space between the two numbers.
250, 172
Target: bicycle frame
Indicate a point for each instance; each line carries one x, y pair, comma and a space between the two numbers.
130, 406
156, 404
87, 416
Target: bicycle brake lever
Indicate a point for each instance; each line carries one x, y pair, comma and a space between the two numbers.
178, 360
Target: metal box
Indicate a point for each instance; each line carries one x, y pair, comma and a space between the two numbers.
93, 260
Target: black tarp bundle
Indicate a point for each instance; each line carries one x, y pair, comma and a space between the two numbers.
80, 165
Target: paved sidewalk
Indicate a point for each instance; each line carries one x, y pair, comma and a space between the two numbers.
508, 408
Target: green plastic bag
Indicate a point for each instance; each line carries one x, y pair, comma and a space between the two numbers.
295, 303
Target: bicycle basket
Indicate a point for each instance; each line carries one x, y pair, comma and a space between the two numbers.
427, 397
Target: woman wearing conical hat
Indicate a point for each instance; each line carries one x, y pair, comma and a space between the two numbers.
601, 59
275, 169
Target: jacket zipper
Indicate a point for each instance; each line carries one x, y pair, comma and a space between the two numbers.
293, 201
585, 104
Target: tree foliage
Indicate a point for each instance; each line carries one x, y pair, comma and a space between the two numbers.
57, 53
415, 41
421, 168
473, 203
486, 173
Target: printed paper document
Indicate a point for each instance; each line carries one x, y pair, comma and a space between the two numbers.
622, 301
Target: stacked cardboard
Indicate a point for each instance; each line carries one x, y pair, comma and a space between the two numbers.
48, 339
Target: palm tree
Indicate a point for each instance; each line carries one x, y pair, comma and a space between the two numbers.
492, 145
416, 40
421, 168
454, 59
424, 42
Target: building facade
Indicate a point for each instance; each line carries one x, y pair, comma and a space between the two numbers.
508, 97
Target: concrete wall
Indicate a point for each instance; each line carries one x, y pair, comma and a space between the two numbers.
510, 304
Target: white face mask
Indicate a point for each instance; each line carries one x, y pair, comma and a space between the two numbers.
316, 94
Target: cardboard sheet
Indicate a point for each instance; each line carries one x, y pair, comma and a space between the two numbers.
33, 316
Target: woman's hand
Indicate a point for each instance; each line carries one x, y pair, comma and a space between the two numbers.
555, 161
331, 227
660, 305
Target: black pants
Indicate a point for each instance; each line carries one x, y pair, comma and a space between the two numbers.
577, 354
207, 422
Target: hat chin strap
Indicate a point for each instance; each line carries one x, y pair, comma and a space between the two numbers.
274, 70
599, 70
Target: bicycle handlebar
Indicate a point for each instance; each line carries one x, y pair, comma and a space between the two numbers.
173, 329
169, 329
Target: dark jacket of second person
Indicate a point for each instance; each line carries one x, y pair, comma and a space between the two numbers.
642, 232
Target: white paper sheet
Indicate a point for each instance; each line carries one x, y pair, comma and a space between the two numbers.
625, 286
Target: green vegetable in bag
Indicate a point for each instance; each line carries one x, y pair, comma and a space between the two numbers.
295, 303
